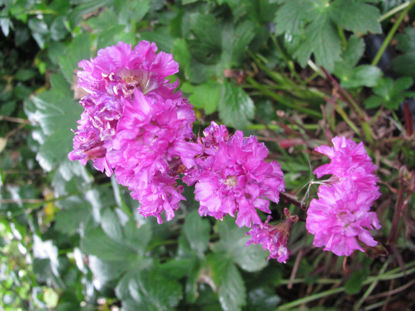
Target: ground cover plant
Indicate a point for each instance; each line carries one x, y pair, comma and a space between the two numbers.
227, 133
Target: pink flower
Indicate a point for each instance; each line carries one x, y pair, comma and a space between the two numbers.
340, 218
232, 177
273, 238
348, 161
119, 70
144, 153
96, 128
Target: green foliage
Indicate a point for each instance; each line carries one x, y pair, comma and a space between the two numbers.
72, 239
404, 64
390, 93
316, 24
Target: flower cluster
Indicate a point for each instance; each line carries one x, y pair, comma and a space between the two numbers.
138, 127
341, 216
232, 176
273, 238
133, 123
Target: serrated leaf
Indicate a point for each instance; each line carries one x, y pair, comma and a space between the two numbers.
204, 96
404, 64
75, 213
229, 284
152, 291
364, 75
292, 16
106, 271
355, 16
56, 113
182, 55
235, 41
354, 51
262, 299
406, 41
197, 232
131, 10
111, 225
97, 243
206, 46
137, 237
80, 48
322, 40
233, 241
235, 106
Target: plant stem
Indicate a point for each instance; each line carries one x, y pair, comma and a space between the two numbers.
309, 298
349, 122
391, 33
371, 287
393, 11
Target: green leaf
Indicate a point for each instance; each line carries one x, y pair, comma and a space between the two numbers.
131, 10
197, 231
96, 242
56, 113
404, 64
105, 271
111, 225
262, 299
206, 46
80, 48
292, 16
182, 55
354, 51
204, 96
24, 74
229, 284
390, 93
75, 213
322, 40
152, 291
233, 243
406, 41
235, 106
355, 282
136, 237
355, 16
364, 75
373, 102
235, 41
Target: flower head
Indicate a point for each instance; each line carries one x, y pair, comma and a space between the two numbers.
341, 217
232, 177
143, 151
119, 70
273, 238
348, 161
96, 128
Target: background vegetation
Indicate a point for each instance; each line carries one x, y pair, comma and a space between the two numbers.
293, 72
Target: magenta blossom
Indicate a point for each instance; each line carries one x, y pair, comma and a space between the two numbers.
144, 153
349, 160
119, 70
96, 128
273, 238
232, 177
340, 218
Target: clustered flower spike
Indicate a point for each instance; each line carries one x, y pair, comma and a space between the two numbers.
340, 218
136, 126
133, 122
232, 177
